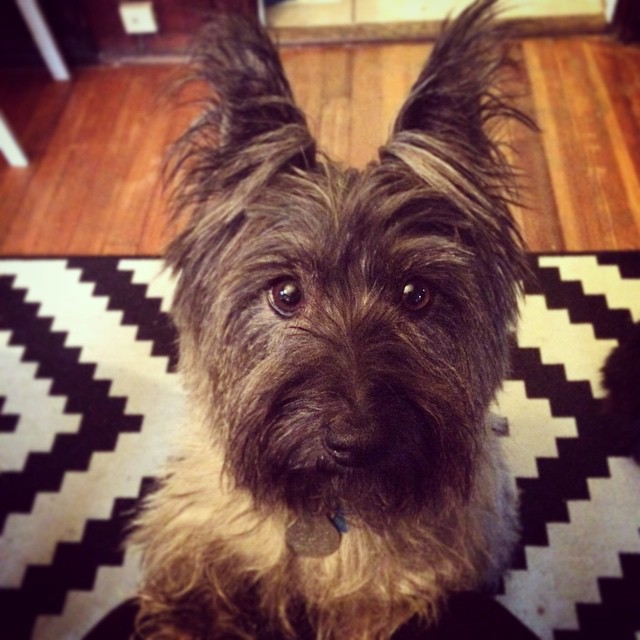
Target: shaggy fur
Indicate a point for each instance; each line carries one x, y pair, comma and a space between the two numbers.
342, 335
621, 373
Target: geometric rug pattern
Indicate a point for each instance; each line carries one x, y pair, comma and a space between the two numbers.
90, 403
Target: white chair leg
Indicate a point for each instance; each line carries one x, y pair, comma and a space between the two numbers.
262, 13
10, 146
44, 39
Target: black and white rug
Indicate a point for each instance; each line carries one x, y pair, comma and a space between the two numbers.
89, 403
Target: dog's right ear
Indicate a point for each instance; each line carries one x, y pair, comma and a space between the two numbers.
250, 128
250, 131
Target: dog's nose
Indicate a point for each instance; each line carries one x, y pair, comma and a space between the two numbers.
352, 446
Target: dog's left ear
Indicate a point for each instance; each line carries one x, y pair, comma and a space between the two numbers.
458, 95
445, 141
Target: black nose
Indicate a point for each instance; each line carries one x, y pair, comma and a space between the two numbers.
354, 445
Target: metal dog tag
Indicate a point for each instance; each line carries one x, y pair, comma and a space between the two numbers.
313, 537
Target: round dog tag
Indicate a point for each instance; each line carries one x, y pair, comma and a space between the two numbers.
313, 537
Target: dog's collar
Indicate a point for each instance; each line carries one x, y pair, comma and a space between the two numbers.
339, 521
316, 536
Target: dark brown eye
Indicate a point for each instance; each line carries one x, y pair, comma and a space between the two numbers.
415, 294
285, 296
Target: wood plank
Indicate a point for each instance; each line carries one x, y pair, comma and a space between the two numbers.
157, 229
321, 83
103, 163
178, 111
368, 130
335, 122
147, 125
305, 68
561, 140
601, 181
88, 178
536, 211
401, 66
52, 206
615, 77
33, 104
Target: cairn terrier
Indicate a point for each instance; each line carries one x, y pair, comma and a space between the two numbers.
342, 336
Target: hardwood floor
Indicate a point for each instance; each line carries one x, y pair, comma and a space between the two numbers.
97, 143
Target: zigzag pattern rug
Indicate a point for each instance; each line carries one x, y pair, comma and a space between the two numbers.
89, 402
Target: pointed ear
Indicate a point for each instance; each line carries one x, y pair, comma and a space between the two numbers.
250, 131
253, 98
250, 127
444, 141
458, 92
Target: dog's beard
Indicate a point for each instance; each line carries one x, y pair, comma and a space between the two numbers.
409, 452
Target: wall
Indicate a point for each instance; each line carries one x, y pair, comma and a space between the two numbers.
90, 31
178, 22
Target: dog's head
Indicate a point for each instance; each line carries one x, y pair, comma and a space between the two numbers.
346, 330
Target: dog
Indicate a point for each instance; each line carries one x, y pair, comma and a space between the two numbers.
621, 405
342, 336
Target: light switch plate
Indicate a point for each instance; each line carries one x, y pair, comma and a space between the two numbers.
138, 17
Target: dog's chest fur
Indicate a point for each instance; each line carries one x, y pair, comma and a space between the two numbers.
374, 582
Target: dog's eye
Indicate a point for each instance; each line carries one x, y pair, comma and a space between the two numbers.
285, 296
415, 294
